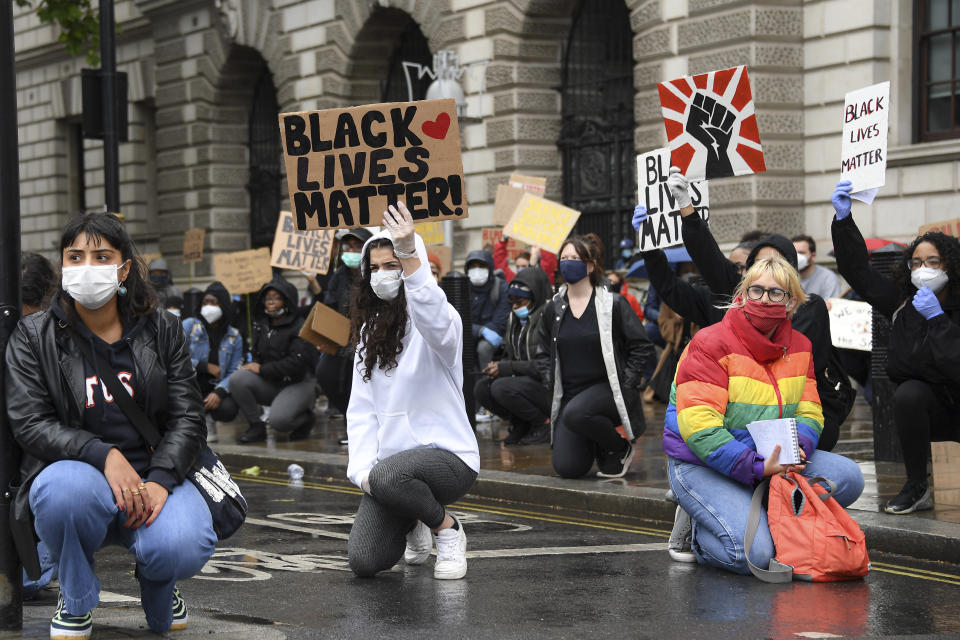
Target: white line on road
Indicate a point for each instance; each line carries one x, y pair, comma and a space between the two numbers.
273, 524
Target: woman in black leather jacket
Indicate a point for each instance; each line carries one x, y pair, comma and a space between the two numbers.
87, 478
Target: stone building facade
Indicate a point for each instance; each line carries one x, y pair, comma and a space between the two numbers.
204, 75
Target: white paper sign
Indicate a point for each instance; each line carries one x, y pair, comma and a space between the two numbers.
863, 157
851, 324
661, 229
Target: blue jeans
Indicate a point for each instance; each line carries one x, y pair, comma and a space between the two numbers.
719, 505
75, 514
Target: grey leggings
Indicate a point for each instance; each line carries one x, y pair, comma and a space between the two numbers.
408, 486
289, 405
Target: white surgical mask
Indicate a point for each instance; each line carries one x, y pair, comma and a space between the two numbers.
386, 284
174, 311
478, 276
211, 312
92, 286
934, 279
802, 261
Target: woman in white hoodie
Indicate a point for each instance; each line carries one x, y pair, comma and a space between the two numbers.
412, 449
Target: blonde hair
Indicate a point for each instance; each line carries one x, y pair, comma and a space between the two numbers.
782, 271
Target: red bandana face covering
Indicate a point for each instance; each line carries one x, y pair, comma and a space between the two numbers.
765, 317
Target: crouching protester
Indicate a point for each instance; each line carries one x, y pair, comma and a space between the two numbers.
751, 366
87, 477
511, 387
411, 448
591, 354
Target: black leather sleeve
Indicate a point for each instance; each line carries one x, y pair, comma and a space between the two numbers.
640, 352
543, 357
853, 263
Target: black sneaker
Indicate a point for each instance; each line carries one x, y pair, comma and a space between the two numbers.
256, 432
915, 496
538, 435
66, 626
517, 431
614, 464
179, 612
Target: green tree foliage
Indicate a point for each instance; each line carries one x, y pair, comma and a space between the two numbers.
79, 25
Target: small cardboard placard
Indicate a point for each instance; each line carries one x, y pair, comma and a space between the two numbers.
193, 245
662, 227
307, 251
431, 232
711, 124
344, 166
948, 227
243, 271
445, 254
851, 324
509, 195
863, 155
492, 235
541, 222
326, 329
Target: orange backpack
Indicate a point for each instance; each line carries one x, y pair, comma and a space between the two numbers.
815, 538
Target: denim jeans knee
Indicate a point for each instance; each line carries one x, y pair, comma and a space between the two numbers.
843, 471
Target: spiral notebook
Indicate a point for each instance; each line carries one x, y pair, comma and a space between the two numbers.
767, 434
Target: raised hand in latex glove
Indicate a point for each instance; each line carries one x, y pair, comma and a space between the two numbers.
679, 187
926, 303
639, 216
491, 336
841, 199
399, 223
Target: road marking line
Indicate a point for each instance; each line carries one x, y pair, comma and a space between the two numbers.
292, 527
952, 576
918, 576
109, 597
559, 551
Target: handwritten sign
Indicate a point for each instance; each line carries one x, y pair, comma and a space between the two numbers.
243, 271
509, 195
863, 155
492, 235
193, 245
711, 125
851, 324
344, 166
541, 222
431, 232
948, 227
661, 229
301, 250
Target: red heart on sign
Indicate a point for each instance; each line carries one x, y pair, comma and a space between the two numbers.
437, 128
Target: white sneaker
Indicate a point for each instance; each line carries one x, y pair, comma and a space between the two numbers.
681, 538
484, 416
212, 429
419, 544
451, 553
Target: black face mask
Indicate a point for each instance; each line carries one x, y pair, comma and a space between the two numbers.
614, 288
159, 280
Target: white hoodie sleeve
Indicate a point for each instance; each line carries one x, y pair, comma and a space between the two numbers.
432, 316
362, 427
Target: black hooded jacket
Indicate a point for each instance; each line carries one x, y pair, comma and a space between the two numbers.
283, 355
695, 302
521, 339
488, 309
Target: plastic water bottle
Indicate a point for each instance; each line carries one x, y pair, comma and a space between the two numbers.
295, 471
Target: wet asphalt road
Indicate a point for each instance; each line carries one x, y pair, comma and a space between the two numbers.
532, 574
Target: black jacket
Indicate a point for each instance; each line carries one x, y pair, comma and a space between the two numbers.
520, 341
695, 302
45, 398
337, 295
283, 355
920, 349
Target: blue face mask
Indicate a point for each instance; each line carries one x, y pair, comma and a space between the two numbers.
627, 253
522, 312
573, 271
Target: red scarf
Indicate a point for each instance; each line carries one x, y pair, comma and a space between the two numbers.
762, 348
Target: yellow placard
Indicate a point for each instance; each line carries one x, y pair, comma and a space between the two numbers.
541, 222
307, 251
431, 232
243, 271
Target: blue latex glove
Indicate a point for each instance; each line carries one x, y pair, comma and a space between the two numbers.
491, 336
841, 199
639, 215
925, 301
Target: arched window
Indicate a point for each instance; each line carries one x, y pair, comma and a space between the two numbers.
265, 162
596, 140
411, 46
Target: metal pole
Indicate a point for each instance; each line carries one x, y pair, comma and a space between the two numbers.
11, 581
108, 68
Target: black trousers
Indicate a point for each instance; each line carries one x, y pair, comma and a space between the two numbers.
228, 408
335, 376
923, 416
521, 400
586, 426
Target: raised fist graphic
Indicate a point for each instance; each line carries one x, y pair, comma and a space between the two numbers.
711, 124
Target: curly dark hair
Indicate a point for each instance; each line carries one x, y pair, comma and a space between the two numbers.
38, 280
378, 324
949, 250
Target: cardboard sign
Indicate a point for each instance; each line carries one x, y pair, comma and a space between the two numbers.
193, 245
863, 155
711, 126
541, 222
243, 271
662, 226
851, 324
431, 232
445, 254
326, 329
949, 227
344, 166
492, 235
509, 195
301, 250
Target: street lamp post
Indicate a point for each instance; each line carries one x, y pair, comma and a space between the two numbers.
108, 69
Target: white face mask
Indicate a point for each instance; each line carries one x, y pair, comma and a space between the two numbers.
386, 284
174, 311
478, 276
92, 286
211, 312
802, 261
934, 279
